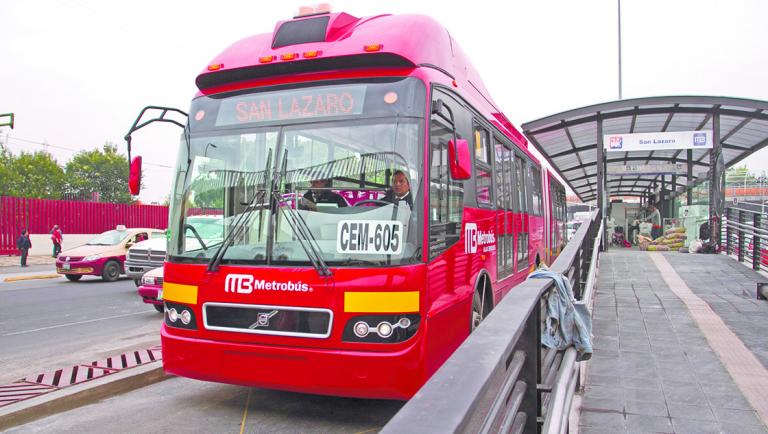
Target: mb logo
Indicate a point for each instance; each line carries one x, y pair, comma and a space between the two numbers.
699, 139
615, 142
470, 238
238, 283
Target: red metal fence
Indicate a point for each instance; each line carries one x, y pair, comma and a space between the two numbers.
39, 216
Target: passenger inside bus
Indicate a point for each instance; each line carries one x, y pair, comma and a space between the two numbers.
318, 194
400, 191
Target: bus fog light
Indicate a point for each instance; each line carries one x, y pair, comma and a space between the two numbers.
404, 323
186, 317
173, 315
361, 329
384, 329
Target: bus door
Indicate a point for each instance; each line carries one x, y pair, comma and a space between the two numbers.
505, 255
521, 223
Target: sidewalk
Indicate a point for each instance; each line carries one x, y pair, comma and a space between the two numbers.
657, 365
38, 267
15, 261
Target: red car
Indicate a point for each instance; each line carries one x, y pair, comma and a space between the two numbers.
151, 288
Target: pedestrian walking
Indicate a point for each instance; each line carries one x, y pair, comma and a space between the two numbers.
56, 237
24, 244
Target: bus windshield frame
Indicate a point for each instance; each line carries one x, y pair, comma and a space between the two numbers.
302, 182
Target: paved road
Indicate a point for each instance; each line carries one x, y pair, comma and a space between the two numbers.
53, 323
181, 405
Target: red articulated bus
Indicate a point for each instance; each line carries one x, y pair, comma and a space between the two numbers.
375, 206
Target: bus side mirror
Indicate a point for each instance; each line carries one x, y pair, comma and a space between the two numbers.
134, 176
459, 159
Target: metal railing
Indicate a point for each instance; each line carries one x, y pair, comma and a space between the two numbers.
746, 237
501, 379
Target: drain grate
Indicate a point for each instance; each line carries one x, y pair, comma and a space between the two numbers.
35, 385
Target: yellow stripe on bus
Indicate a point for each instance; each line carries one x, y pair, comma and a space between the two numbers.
381, 302
180, 293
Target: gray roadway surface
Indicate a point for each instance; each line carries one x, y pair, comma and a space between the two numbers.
53, 323
182, 405
652, 369
48, 324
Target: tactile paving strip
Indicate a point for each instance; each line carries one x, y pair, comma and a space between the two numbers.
34, 385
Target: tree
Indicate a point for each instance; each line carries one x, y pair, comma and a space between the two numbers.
99, 171
739, 175
33, 175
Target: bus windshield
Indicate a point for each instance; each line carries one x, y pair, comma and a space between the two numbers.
344, 186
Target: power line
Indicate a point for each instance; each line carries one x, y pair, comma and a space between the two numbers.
46, 145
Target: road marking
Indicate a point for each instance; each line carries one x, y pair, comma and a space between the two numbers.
33, 277
245, 411
747, 372
77, 323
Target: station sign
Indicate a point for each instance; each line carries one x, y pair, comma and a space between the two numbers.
648, 169
658, 141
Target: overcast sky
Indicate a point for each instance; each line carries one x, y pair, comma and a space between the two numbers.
77, 72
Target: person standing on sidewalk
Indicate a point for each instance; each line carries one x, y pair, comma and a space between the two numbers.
56, 237
24, 244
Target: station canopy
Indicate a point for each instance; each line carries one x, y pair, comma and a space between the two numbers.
569, 140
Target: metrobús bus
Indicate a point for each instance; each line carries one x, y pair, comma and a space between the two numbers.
349, 289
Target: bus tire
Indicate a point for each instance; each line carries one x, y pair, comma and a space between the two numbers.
111, 271
73, 277
477, 311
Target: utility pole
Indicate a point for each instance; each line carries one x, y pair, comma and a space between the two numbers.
619, 8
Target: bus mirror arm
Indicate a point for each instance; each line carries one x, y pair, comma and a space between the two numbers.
134, 179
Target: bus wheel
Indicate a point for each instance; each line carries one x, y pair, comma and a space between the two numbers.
73, 277
111, 271
477, 310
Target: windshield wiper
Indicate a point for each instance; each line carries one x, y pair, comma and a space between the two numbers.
306, 240
194, 231
299, 226
237, 227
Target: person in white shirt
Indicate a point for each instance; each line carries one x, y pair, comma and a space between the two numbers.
401, 190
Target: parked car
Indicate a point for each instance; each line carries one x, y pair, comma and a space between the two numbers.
144, 256
150, 254
151, 288
102, 256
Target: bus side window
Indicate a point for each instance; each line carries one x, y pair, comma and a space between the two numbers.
446, 197
483, 180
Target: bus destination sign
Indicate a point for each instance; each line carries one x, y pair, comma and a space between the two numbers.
309, 103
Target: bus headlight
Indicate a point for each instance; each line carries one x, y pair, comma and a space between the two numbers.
361, 329
179, 316
391, 328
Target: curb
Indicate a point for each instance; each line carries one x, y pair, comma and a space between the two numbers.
36, 276
81, 394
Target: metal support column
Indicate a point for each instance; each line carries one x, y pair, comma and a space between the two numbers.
757, 251
600, 166
673, 195
716, 180
689, 173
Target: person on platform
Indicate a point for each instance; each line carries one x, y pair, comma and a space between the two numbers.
655, 219
24, 244
56, 238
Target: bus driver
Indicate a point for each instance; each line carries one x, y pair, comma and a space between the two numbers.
401, 190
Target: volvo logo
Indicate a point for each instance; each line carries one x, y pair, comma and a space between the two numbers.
262, 320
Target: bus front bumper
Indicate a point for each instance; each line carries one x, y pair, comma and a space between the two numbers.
358, 374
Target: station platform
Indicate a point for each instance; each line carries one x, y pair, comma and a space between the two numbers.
680, 345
